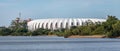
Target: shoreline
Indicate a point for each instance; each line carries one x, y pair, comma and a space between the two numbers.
87, 36
72, 36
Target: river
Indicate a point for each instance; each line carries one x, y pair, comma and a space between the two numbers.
54, 43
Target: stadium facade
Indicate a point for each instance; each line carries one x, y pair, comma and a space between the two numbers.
59, 23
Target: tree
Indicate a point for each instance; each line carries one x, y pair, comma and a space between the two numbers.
16, 24
67, 33
116, 26
5, 31
23, 30
110, 21
111, 27
99, 31
40, 31
116, 29
75, 31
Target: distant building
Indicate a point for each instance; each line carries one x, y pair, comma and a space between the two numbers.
59, 23
20, 22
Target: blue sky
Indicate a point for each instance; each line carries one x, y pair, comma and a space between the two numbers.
35, 9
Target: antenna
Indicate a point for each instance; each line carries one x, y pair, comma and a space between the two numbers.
19, 14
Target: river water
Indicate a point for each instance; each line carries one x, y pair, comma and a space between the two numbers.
53, 43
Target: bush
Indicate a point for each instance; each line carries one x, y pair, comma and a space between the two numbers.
99, 31
40, 32
5, 31
67, 33
112, 34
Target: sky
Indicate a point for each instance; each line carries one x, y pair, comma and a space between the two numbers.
37, 9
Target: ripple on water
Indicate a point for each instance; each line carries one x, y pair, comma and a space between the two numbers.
46, 43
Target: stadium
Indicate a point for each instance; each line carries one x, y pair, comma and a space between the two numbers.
59, 23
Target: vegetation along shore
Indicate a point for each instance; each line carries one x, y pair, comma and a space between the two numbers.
108, 29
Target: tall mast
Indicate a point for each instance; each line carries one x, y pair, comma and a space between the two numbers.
19, 14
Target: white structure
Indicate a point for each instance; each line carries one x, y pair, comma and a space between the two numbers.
58, 23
